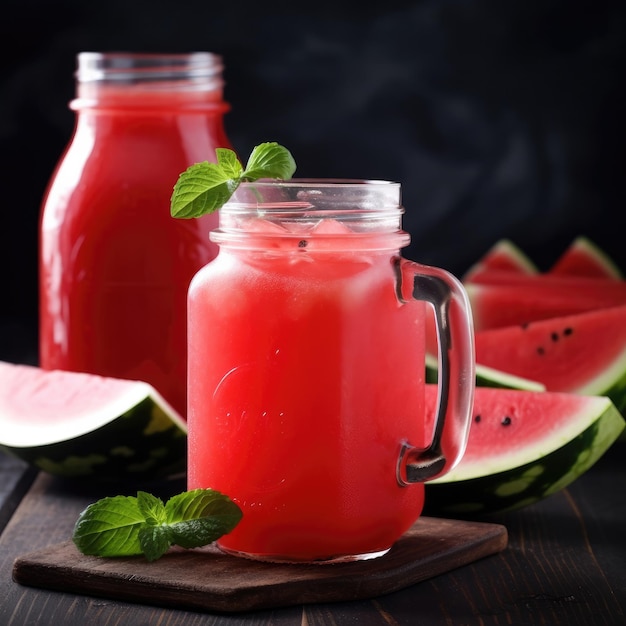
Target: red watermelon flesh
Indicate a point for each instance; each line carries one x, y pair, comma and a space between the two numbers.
512, 428
547, 280
584, 258
504, 255
519, 300
584, 353
89, 427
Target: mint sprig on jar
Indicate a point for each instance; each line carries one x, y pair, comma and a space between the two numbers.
205, 187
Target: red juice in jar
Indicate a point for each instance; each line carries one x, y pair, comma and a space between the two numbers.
114, 265
306, 376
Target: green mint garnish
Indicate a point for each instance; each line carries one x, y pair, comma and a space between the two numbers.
205, 187
129, 526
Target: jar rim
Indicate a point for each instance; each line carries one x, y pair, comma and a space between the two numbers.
325, 209
347, 196
329, 183
148, 66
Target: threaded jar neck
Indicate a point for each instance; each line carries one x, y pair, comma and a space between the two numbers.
326, 213
136, 79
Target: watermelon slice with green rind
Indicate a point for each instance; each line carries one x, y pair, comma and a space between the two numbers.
89, 427
524, 447
487, 377
583, 353
504, 255
497, 300
585, 258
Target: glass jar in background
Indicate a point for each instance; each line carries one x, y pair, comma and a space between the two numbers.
114, 265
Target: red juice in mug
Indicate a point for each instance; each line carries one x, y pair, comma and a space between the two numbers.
114, 265
306, 380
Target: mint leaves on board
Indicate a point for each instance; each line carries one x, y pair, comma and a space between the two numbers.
205, 187
129, 526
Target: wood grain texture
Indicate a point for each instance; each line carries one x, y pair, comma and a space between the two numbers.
564, 565
207, 579
15, 479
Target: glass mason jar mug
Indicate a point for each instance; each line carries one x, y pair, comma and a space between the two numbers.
306, 370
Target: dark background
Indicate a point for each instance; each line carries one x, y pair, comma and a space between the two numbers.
499, 118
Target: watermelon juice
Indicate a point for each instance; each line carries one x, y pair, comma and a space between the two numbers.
114, 265
306, 377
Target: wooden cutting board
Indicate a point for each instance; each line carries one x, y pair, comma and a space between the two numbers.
207, 579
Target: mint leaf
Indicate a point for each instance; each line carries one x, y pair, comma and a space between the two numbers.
155, 541
269, 160
201, 188
199, 517
205, 187
128, 526
151, 508
110, 527
229, 162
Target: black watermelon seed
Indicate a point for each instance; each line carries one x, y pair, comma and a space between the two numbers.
568, 331
506, 421
303, 243
554, 336
477, 418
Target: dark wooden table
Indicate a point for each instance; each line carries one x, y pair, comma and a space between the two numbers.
565, 563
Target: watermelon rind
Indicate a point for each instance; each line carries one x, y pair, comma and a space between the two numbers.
487, 377
530, 473
133, 435
601, 331
585, 258
503, 255
610, 382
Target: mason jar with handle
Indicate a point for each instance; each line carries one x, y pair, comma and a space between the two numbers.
114, 266
307, 341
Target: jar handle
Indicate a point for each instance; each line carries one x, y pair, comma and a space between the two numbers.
456, 379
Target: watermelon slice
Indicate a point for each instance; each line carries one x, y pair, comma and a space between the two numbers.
498, 301
503, 255
545, 281
522, 447
584, 353
585, 258
487, 377
89, 427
